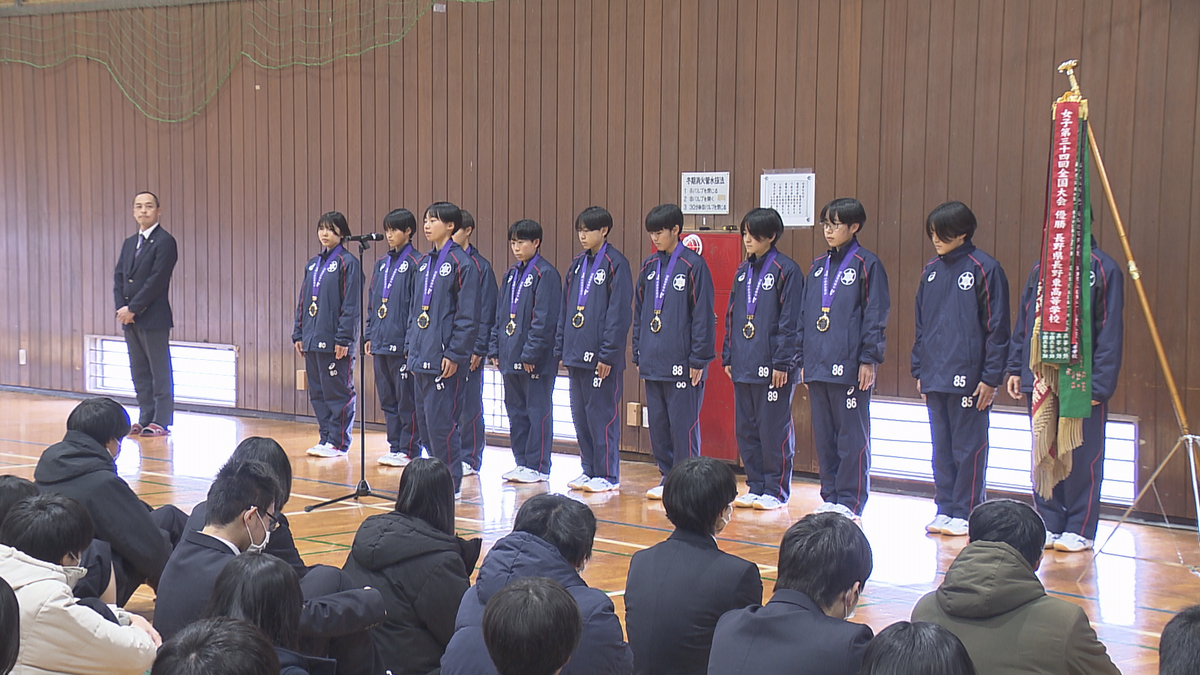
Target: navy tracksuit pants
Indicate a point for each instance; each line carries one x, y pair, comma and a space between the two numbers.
1075, 506
470, 419
960, 452
841, 422
674, 412
438, 403
331, 391
397, 399
766, 437
595, 408
530, 402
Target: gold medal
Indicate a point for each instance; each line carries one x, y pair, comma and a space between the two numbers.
382, 311
823, 321
312, 309
423, 319
655, 323
577, 320
512, 326
748, 329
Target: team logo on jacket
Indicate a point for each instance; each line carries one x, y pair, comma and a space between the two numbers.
966, 281
528, 282
423, 266
931, 276
741, 277
818, 271
650, 277
444, 270
849, 276
599, 277
312, 267
332, 266
680, 282
768, 282
383, 265
1092, 278
404, 267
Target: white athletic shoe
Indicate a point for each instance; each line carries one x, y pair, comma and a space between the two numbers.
319, 447
397, 459
599, 484
1070, 542
957, 527
326, 450
768, 503
826, 507
508, 475
843, 510
458, 495
1051, 539
746, 501
655, 493
579, 481
527, 475
469, 470
935, 526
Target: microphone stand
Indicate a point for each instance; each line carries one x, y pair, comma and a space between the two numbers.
363, 489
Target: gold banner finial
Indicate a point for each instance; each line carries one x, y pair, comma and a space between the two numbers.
1074, 94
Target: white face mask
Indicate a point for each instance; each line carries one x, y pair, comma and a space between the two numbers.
258, 548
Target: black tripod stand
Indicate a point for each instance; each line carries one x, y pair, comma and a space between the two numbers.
363, 489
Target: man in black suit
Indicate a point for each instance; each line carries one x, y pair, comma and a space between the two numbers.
141, 284
678, 589
824, 560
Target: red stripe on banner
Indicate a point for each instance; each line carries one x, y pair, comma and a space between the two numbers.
1056, 257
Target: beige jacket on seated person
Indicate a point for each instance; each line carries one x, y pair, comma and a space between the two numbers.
60, 636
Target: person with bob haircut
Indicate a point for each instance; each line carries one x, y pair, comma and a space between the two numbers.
442, 336
552, 537
83, 467
958, 359
43, 539
388, 308
593, 326
531, 627
523, 350
1179, 644
414, 559
10, 618
325, 331
761, 355
470, 420
678, 589
824, 562
265, 591
221, 645
845, 312
993, 601
674, 340
904, 648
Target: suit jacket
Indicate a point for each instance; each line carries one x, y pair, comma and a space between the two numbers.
790, 634
675, 593
144, 284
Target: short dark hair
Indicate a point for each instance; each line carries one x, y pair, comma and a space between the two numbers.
950, 220
847, 210
238, 487
221, 645
531, 627
139, 193
468, 220
400, 219
664, 217
696, 491
1179, 645
48, 527
269, 452
427, 492
763, 224
261, 589
525, 230
822, 556
562, 522
594, 218
13, 490
334, 221
918, 647
101, 418
1010, 522
10, 618
447, 213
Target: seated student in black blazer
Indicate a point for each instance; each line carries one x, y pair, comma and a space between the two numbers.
917, 647
678, 589
531, 627
824, 561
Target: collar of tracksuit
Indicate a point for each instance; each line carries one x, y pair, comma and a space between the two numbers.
967, 248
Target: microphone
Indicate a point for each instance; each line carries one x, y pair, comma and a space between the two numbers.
373, 236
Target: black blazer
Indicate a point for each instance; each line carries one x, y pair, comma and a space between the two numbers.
675, 593
788, 635
144, 284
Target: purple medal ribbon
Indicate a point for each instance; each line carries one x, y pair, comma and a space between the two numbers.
318, 277
515, 293
752, 290
585, 276
390, 278
661, 281
829, 288
431, 275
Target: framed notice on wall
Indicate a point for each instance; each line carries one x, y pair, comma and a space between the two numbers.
791, 193
705, 193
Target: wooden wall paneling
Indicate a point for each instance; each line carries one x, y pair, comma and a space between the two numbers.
868, 128
519, 88
636, 133
981, 157
786, 53
1094, 55
78, 260
1008, 130
297, 138
281, 205
260, 262
236, 137
741, 190
470, 122
964, 66
543, 111
825, 121
22, 115
424, 63
437, 47
1191, 374
598, 104
566, 206
502, 168
939, 100
485, 64
725, 95
706, 82
617, 133
47, 159
453, 124
9, 368
687, 126
890, 223
766, 104
1042, 86
848, 63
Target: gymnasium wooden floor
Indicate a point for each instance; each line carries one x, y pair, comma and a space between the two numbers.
1130, 592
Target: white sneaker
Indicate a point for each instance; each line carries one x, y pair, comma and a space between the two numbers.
844, 511
1072, 543
469, 470
530, 476
319, 447
1051, 539
768, 503
826, 507
655, 493
599, 484
326, 450
458, 495
957, 527
398, 459
935, 526
579, 481
508, 475
746, 501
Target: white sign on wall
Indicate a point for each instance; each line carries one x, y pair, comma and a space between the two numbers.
791, 193
705, 193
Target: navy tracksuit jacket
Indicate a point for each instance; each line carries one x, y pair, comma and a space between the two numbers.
962, 339
687, 339
393, 383
607, 315
529, 396
450, 334
336, 323
841, 412
470, 419
1075, 506
763, 414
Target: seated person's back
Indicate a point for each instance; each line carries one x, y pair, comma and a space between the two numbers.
992, 599
678, 589
920, 647
221, 645
531, 627
1179, 646
824, 561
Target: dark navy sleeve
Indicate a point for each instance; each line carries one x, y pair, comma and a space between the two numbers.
619, 315
1109, 332
501, 318
351, 314
119, 280
462, 336
920, 324
785, 353
726, 344
487, 314
160, 276
297, 328
639, 299
564, 311
375, 274
996, 326
1018, 357
547, 299
704, 321
876, 306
